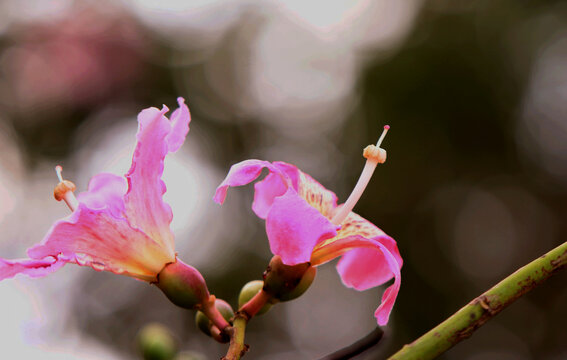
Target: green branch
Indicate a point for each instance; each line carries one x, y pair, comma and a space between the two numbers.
463, 323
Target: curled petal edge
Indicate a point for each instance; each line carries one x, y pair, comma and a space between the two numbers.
30, 267
337, 248
242, 173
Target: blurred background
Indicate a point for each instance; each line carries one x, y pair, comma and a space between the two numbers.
475, 184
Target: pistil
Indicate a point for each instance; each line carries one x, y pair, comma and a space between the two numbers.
64, 190
374, 155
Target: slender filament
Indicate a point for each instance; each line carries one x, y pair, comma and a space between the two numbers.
361, 184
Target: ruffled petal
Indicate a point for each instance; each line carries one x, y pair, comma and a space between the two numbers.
105, 190
95, 238
30, 267
180, 120
294, 228
240, 174
156, 137
281, 176
360, 249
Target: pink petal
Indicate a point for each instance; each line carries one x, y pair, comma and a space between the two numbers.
32, 268
265, 192
241, 174
365, 268
180, 120
145, 207
358, 248
273, 185
292, 172
95, 238
105, 190
382, 313
294, 228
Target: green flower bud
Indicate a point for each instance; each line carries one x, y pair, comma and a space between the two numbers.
248, 291
203, 322
287, 282
156, 342
183, 285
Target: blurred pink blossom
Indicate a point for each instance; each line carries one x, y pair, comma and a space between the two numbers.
84, 58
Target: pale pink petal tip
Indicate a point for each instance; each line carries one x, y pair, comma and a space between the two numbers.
240, 174
30, 267
180, 120
383, 311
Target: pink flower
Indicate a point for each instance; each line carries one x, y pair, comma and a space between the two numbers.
298, 213
120, 224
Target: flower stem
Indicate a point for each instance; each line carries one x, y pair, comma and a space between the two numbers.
237, 348
255, 304
463, 323
214, 314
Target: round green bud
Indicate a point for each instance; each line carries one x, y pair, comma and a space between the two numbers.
248, 291
156, 342
302, 286
183, 285
287, 282
203, 322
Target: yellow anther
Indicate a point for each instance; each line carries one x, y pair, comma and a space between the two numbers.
63, 188
374, 153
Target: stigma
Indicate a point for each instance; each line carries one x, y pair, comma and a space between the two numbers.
64, 190
374, 155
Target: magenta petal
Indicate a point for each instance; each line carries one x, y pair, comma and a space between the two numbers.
294, 228
291, 171
241, 174
95, 238
365, 268
359, 265
382, 313
145, 207
180, 120
105, 190
265, 192
30, 267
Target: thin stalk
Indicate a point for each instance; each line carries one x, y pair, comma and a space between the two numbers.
466, 321
237, 347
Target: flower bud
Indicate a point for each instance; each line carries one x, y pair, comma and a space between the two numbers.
182, 284
248, 291
156, 342
287, 282
203, 322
